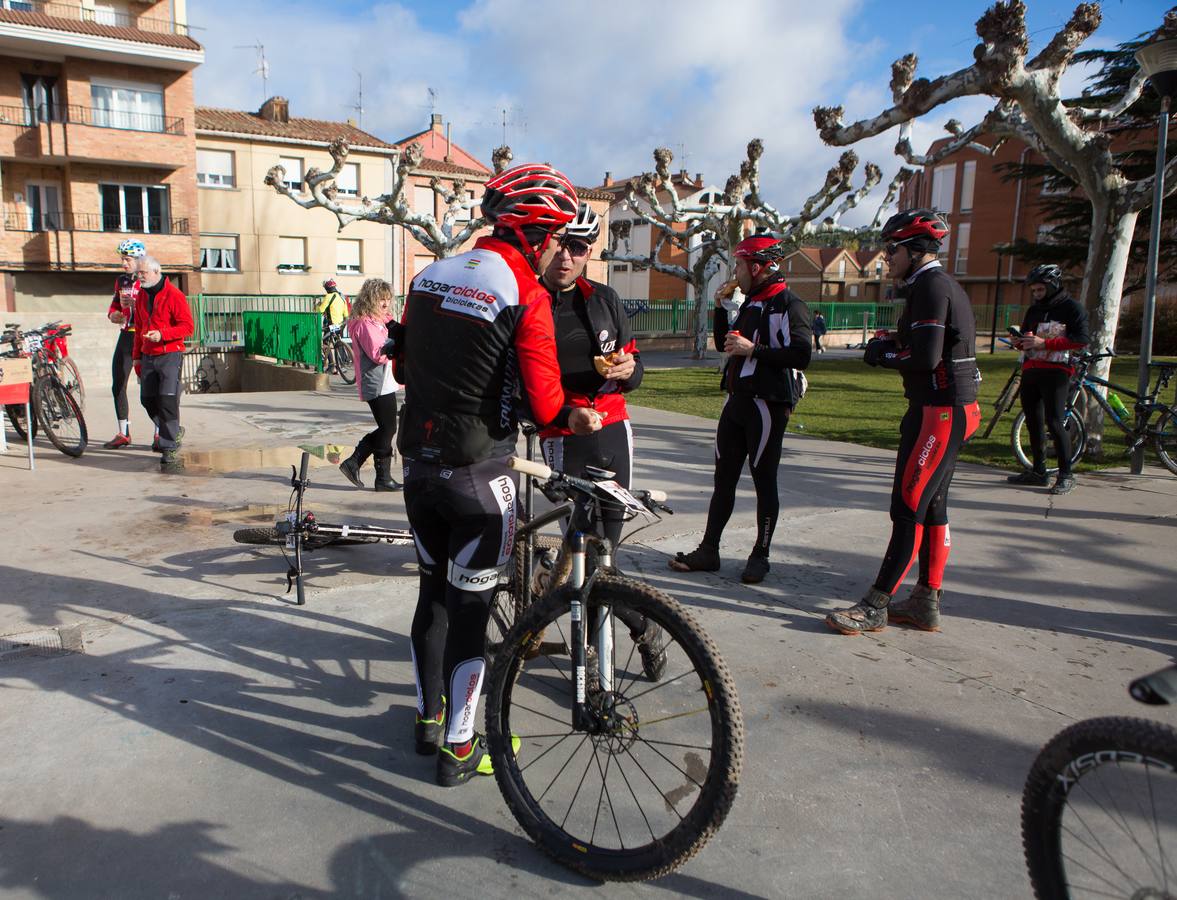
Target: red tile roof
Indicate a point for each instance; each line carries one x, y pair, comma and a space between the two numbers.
240, 122
437, 148
122, 33
441, 167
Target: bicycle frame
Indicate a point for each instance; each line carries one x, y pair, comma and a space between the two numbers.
1085, 381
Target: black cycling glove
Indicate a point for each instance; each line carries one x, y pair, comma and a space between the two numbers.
877, 349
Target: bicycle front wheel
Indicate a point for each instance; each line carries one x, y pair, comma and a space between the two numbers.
1099, 812
641, 792
1166, 441
60, 416
269, 536
345, 365
1019, 441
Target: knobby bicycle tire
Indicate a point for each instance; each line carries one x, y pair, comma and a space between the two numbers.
507, 604
345, 363
1165, 441
696, 672
268, 536
55, 409
1019, 440
1074, 766
16, 415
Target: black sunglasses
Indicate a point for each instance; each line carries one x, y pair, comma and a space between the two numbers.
575, 246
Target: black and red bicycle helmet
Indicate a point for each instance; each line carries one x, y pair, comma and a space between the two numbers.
913, 224
762, 248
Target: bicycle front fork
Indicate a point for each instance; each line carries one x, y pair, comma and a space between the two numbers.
591, 624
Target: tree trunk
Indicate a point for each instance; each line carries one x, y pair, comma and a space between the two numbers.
702, 332
1103, 285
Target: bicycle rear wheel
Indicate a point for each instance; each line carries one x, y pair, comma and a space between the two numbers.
643, 795
1004, 402
506, 606
60, 416
1166, 441
268, 536
67, 371
1099, 811
345, 365
1019, 441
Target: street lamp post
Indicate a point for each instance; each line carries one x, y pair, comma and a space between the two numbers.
1159, 62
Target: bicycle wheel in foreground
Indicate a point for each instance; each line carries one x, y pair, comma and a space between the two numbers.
1099, 812
1019, 441
643, 795
268, 536
345, 364
60, 416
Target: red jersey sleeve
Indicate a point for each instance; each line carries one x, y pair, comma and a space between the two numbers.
535, 344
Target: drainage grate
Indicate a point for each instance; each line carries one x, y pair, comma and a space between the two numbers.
51, 642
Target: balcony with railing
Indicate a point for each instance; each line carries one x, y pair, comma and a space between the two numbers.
19, 218
59, 131
96, 117
74, 14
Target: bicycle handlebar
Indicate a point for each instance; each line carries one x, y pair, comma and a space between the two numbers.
530, 467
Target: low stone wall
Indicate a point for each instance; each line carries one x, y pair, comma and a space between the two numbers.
260, 374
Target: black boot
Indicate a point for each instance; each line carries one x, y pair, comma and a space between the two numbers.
384, 479
350, 467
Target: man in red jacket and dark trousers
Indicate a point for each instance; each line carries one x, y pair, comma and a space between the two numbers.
163, 320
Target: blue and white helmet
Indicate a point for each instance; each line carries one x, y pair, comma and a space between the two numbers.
133, 249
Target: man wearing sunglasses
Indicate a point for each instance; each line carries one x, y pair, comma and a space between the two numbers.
933, 351
599, 364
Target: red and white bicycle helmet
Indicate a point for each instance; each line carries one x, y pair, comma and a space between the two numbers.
761, 248
533, 194
912, 225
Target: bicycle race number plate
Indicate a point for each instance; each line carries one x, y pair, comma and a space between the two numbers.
622, 496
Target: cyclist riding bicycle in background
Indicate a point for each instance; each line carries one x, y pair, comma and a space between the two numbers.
122, 313
599, 365
933, 349
475, 327
1055, 324
333, 306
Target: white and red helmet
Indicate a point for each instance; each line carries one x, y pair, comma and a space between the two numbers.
531, 195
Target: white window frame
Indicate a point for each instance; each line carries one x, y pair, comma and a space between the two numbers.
960, 262
463, 214
205, 251
165, 216
53, 219
842, 267
852, 290
292, 183
113, 112
420, 191
342, 268
289, 267
206, 179
353, 191
944, 188
968, 184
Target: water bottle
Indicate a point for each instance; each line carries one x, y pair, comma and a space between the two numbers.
1117, 405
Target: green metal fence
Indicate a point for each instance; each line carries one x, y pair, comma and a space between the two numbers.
219, 316
295, 337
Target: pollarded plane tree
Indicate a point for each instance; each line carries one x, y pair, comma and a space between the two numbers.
1030, 108
438, 237
707, 232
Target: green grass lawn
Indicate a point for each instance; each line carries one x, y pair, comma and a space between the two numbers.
849, 401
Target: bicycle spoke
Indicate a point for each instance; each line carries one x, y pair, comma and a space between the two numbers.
576, 793
572, 756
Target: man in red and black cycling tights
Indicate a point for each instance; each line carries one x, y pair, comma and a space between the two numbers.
599, 365
933, 351
475, 326
770, 339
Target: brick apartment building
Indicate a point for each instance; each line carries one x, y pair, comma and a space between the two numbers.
832, 274
97, 144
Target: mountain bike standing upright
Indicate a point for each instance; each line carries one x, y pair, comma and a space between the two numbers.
1158, 423
337, 355
55, 408
617, 776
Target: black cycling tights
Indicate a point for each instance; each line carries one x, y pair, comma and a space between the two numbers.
930, 438
1044, 401
749, 429
121, 367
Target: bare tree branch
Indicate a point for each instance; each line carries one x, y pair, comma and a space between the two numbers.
1121, 106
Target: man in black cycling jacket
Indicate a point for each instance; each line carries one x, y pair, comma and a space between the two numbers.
933, 351
770, 340
476, 328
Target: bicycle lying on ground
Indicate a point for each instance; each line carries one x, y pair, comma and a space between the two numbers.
1158, 423
337, 355
1099, 810
55, 407
614, 776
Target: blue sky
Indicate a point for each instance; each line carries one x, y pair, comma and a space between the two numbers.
596, 87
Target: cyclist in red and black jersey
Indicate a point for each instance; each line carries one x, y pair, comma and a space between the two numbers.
476, 328
933, 351
769, 341
1055, 324
122, 313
